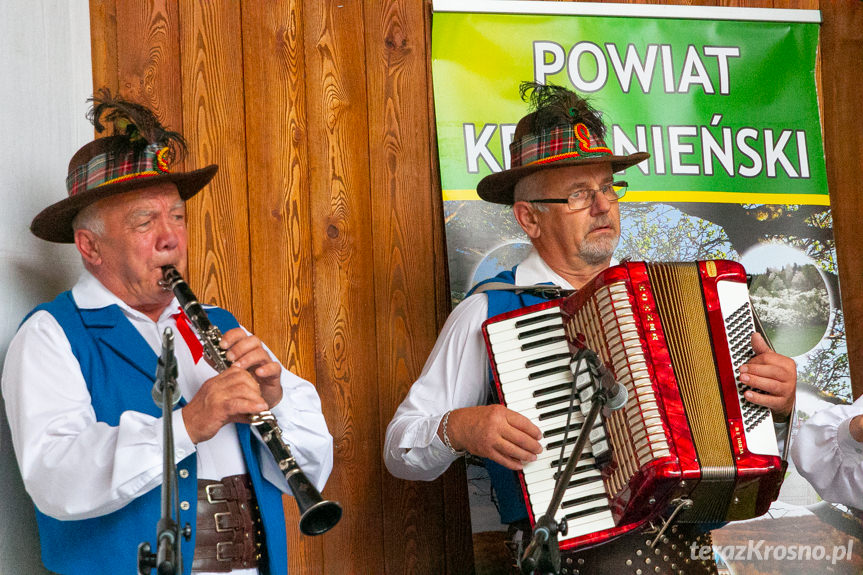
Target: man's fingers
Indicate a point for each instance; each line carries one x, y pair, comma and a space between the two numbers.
773, 402
522, 441
231, 337
522, 423
759, 344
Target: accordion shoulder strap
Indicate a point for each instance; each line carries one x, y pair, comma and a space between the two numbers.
541, 290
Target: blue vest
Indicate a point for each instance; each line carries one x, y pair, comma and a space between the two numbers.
119, 368
510, 500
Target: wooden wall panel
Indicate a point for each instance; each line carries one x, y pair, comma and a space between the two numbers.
278, 188
402, 210
103, 43
842, 56
342, 244
149, 57
214, 121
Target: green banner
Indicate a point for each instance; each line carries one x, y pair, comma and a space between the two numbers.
727, 109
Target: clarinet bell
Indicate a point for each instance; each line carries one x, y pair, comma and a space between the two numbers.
317, 515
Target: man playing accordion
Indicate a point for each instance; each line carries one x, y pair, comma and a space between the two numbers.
562, 191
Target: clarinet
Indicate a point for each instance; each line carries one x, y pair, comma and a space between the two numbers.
317, 515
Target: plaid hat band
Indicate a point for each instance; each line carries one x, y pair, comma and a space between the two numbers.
111, 168
563, 142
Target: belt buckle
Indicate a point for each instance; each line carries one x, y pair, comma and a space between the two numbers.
208, 489
221, 545
216, 517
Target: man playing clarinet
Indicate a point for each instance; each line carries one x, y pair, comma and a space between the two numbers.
79, 373
562, 191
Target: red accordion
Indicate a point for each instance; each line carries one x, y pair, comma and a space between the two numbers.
675, 334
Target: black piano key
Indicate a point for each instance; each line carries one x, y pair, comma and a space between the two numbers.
573, 426
556, 400
537, 319
552, 389
601, 505
546, 359
572, 439
543, 342
554, 413
547, 372
539, 331
578, 466
583, 481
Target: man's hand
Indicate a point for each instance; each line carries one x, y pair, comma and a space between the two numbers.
229, 397
246, 352
495, 432
771, 374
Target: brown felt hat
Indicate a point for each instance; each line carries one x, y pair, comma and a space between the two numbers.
115, 165
555, 135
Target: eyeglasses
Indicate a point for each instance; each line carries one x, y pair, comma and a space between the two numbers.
583, 199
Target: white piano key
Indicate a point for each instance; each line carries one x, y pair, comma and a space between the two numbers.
526, 372
518, 386
542, 498
544, 479
561, 385
510, 361
599, 521
519, 342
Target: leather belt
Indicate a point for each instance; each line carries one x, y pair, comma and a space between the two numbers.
228, 534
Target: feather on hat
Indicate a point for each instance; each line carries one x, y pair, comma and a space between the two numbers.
138, 155
562, 130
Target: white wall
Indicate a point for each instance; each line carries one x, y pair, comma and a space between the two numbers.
45, 78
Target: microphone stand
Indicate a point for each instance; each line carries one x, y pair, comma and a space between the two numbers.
168, 560
543, 551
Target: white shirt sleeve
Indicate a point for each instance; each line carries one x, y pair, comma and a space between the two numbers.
303, 430
73, 466
455, 376
828, 457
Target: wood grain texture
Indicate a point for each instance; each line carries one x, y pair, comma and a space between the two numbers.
213, 118
842, 53
103, 43
278, 189
344, 279
148, 57
402, 211
458, 544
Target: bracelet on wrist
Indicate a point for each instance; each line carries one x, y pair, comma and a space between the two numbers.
446, 441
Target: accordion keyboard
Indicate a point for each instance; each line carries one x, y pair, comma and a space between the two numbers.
739, 326
533, 360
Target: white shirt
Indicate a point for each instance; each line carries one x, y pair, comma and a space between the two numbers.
61, 447
455, 376
828, 457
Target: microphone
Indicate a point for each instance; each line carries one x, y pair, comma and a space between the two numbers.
615, 394
166, 370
